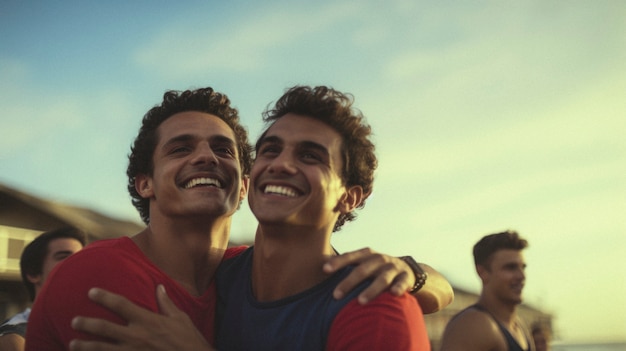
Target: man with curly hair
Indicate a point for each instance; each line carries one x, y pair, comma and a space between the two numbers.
314, 167
186, 175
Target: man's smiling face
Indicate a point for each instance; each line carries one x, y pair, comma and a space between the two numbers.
196, 168
295, 178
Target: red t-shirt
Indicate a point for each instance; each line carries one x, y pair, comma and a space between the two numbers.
385, 323
117, 265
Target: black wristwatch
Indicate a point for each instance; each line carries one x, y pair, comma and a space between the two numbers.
420, 275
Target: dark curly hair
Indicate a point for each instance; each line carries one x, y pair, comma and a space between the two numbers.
201, 100
484, 249
335, 109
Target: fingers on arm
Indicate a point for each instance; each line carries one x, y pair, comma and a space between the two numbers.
354, 257
166, 305
398, 282
118, 304
366, 262
99, 327
386, 272
389, 273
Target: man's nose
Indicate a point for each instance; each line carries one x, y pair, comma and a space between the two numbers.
283, 163
204, 154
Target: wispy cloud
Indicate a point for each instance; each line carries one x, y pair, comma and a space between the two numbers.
196, 45
27, 124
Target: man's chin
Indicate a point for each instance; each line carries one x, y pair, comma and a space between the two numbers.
517, 300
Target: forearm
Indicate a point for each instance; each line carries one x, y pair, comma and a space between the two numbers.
436, 294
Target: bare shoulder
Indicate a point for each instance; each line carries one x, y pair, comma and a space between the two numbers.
472, 329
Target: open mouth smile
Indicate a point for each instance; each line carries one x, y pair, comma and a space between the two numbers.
280, 190
203, 182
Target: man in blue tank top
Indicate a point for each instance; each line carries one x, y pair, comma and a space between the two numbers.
314, 168
492, 324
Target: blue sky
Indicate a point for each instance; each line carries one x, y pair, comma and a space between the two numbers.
487, 116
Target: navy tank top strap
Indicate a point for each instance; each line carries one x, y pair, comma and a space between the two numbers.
510, 340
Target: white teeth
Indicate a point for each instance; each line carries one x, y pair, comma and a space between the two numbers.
280, 190
202, 181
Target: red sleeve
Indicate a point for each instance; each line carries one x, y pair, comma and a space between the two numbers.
234, 251
64, 296
387, 323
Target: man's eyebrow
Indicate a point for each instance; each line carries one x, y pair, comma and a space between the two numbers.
223, 139
303, 145
62, 253
178, 139
188, 137
269, 140
513, 265
306, 144
313, 145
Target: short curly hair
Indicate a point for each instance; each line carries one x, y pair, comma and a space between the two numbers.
201, 100
488, 245
335, 109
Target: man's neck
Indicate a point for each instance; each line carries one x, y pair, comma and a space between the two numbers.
187, 251
287, 261
504, 312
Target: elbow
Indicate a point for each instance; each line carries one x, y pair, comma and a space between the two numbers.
435, 301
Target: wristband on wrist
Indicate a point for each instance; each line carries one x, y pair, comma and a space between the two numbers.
420, 275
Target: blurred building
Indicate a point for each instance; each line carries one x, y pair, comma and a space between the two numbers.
22, 218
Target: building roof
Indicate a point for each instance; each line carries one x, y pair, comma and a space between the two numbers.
22, 210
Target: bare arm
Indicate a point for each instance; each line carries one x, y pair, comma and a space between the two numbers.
472, 331
436, 294
146, 330
390, 273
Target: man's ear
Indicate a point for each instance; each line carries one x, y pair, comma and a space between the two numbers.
483, 272
143, 185
245, 185
351, 199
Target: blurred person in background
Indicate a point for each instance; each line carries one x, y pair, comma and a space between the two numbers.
492, 324
38, 259
541, 337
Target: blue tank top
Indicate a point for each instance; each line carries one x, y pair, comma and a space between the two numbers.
510, 340
298, 322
